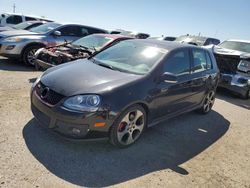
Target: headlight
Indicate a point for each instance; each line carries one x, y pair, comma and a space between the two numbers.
13, 39
89, 103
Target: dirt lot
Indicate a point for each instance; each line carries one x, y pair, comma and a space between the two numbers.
189, 151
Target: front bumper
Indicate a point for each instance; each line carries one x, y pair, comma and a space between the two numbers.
73, 125
13, 52
233, 82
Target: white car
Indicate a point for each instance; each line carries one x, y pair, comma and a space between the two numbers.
10, 19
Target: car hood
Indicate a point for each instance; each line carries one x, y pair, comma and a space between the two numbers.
228, 52
83, 76
16, 32
6, 28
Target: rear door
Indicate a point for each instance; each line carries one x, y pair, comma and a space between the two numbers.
175, 97
199, 75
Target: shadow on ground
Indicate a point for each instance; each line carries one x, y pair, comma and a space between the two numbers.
13, 65
98, 164
228, 96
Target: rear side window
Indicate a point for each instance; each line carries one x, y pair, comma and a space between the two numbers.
209, 61
74, 31
199, 60
14, 19
93, 30
178, 63
29, 19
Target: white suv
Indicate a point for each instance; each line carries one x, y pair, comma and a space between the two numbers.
9, 19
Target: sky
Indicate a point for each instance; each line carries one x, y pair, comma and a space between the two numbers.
223, 19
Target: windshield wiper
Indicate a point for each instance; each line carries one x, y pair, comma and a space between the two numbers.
103, 64
84, 47
106, 65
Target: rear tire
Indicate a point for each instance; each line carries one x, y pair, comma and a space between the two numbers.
28, 54
128, 127
247, 95
208, 103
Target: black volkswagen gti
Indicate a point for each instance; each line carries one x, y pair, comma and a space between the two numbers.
124, 89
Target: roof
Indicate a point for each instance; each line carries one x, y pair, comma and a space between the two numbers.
236, 40
168, 45
20, 14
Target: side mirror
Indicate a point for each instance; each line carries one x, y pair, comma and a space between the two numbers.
168, 77
57, 33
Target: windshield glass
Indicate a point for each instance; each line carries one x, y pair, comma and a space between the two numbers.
93, 41
22, 25
131, 56
45, 28
233, 45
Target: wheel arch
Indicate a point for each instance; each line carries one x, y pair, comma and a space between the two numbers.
143, 104
32, 44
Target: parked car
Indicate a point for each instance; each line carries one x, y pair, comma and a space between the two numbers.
233, 60
167, 38
133, 34
23, 26
10, 19
81, 48
124, 89
197, 40
23, 44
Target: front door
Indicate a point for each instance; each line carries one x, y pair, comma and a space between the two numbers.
174, 97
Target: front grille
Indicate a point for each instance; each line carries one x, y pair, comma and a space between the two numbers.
51, 96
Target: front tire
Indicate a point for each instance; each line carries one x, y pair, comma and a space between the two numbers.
28, 54
128, 127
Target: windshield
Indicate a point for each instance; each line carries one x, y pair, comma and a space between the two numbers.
131, 56
45, 28
93, 41
22, 25
233, 45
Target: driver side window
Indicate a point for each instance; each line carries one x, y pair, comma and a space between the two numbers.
178, 63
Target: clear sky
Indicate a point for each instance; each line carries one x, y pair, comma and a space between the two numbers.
223, 19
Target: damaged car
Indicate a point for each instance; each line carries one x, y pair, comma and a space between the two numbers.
233, 60
197, 40
78, 49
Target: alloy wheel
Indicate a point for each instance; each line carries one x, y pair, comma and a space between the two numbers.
209, 101
130, 127
30, 56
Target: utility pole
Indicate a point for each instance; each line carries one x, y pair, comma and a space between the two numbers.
14, 7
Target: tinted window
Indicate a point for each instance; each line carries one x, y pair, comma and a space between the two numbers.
93, 30
199, 60
178, 63
209, 62
84, 31
14, 19
71, 31
30, 19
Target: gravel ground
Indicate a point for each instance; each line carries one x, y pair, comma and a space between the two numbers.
189, 151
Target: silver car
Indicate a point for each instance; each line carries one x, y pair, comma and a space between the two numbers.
21, 44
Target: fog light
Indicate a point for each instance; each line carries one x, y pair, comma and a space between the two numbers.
10, 47
76, 131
